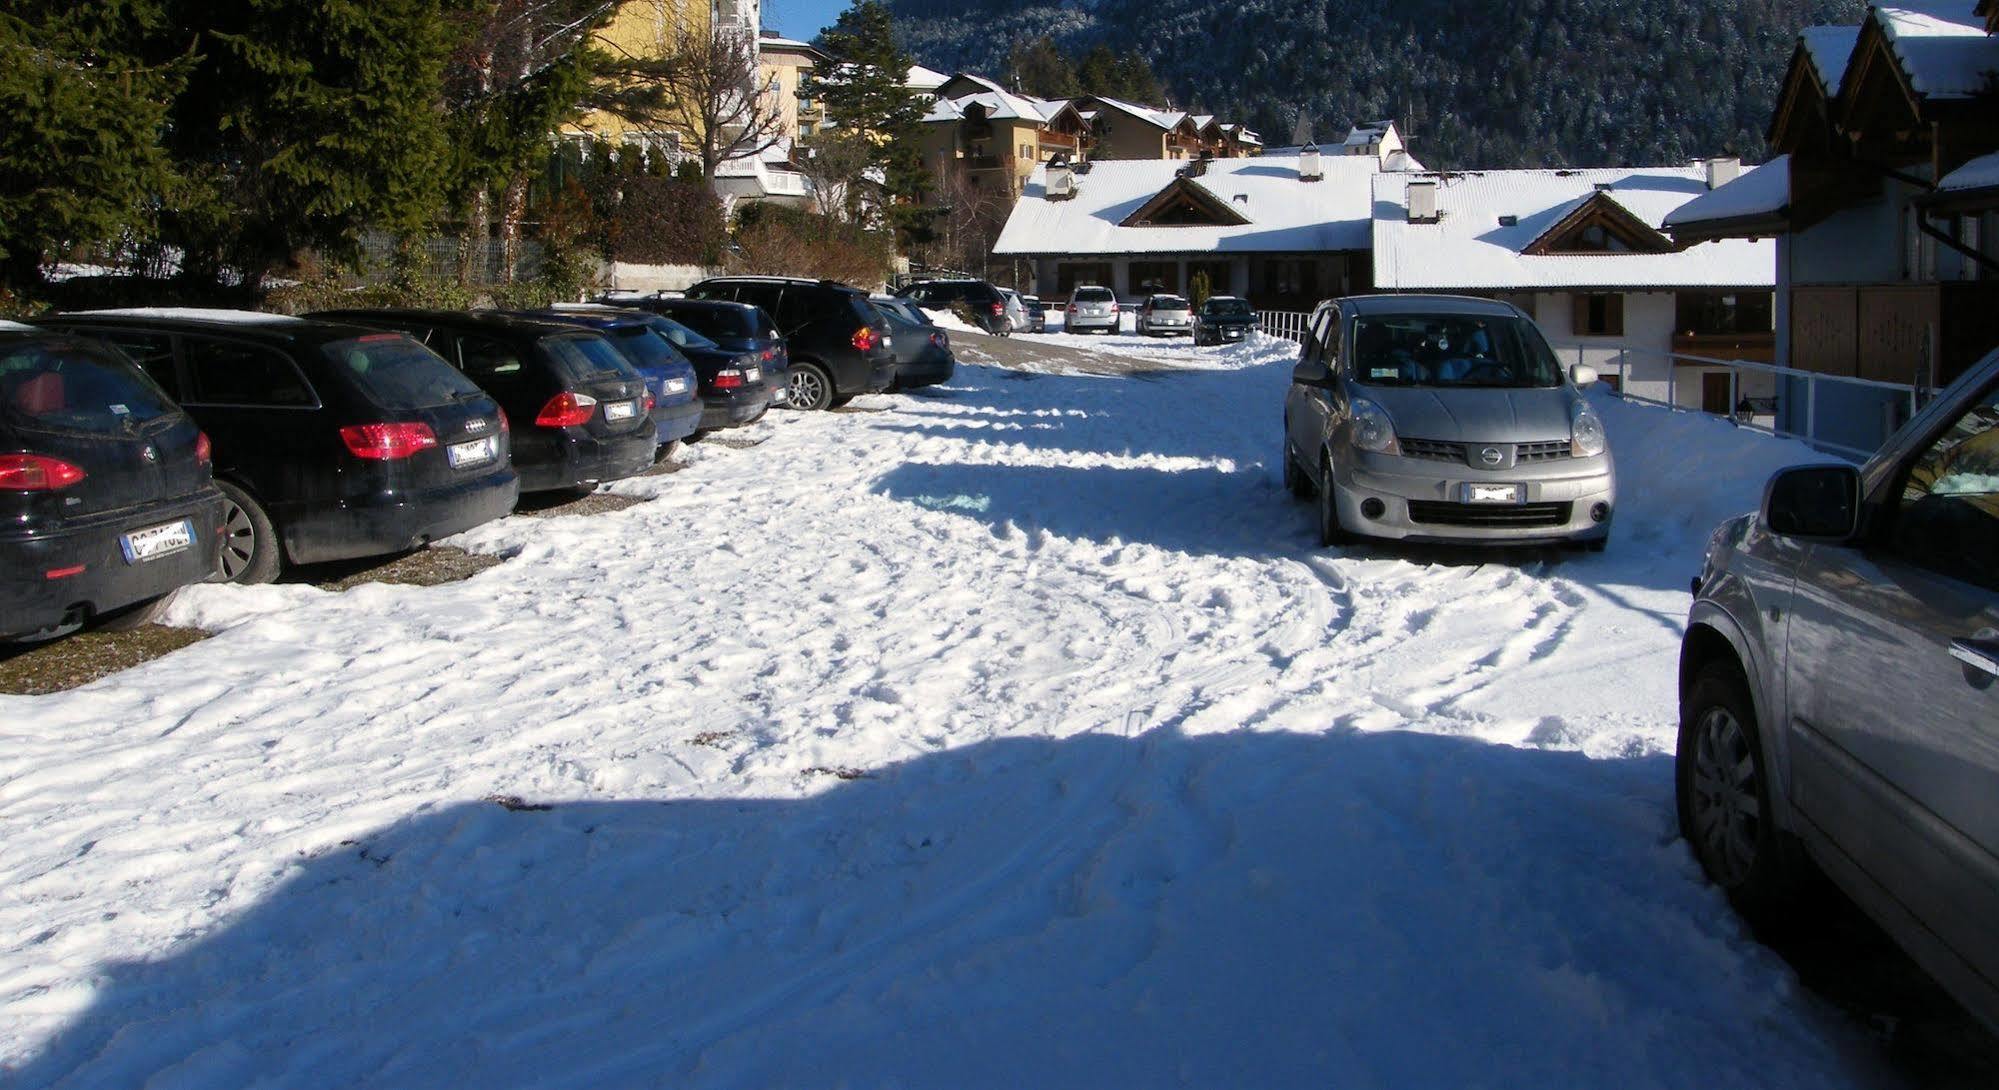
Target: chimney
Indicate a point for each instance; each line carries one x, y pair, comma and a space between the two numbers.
1308, 164
1722, 171
1061, 183
1423, 201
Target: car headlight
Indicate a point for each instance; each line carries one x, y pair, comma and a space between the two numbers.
1372, 430
1586, 438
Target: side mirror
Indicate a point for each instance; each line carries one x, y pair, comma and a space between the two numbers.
1582, 374
1821, 502
1310, 374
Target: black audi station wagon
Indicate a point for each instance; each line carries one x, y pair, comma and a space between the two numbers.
331, 441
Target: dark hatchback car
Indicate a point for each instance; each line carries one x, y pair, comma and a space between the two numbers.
737, 328
922, 350
670, 378
331, 441
580, 408
106, 497
1223, 319
838, 341
735, 389
982, 299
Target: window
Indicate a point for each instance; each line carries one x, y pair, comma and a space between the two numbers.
231, 373
1221, 278
1446, 350
487, 361
1027, 152
1947, 519
1598, 314
1154, 276
1719, 313
1068, 274
1967, 236
395, 372
153, 352
74, 388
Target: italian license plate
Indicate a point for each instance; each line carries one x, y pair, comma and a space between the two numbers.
157, 541
753, 374
1492, 493
473, 452
676, 386
620, 410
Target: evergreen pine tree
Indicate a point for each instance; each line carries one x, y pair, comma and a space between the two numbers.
864, 93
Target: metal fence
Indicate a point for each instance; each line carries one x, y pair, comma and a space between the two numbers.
1288, 324
1850, 417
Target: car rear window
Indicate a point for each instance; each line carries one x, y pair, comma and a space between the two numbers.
67, 386
681, 335
585, 357
1093, 295
716, 321
395, 372
643, 347
1168, 302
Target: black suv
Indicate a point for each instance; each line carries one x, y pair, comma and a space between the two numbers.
106, 497
331, 442
580, 406
839, 344
982, 299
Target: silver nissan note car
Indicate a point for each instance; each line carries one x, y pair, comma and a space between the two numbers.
1444, 419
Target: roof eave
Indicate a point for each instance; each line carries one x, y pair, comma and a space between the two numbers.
1755, 225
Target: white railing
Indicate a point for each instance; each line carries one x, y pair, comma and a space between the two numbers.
1851, 417
1288, 324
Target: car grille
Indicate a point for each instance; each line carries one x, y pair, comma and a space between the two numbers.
1432, 513
1430, 448
1547, 451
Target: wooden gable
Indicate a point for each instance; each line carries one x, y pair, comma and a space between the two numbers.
1803, 117
1600, 225
1877, 109
1184, 204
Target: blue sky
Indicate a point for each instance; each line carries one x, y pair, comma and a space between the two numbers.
802, 19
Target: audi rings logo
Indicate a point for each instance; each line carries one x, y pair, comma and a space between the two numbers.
476, 426
1492, 456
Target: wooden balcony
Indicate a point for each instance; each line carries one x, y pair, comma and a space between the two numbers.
1063, 140
1884, 331
1752, 347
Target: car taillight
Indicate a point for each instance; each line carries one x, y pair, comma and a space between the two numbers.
770, 353
727, 379
649, 401
506, 428
566, 410
36, 473
999, 309
387, 442
865, 339
1071, 308
204, 451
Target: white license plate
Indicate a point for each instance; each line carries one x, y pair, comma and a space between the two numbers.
473, 452
1492, 493
753, 374
620, 410
676, 386
157, 541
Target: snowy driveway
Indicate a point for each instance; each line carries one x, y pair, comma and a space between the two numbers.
1012, 735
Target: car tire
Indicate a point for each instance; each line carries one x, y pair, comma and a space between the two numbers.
1295, 480
1722, 795
1331, 533
811, 387
137, 615
249, 540
666, 451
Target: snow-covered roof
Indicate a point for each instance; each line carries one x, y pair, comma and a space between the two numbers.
1758, 191
1165, 119
1980, 173
1284, 214
924, 79
1468, 248
1368, 132
1829, 48
772, 41
1244, 134
197, 314
1202, 121
15, 327
1941, 45
999, 105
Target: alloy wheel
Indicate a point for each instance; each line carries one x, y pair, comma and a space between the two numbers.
808, 390
239, 540
1727, 811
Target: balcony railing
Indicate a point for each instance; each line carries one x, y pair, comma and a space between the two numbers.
1057, 139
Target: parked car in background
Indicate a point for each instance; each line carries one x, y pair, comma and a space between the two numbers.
987, 303
1037, 313
107, 499
1222, 319
735, 389
331, 441
671, 380
1839, 692
922, 349
1164, 314
1444, 419
579, 408
838, 342
1018, 319
734, 327
1091, 306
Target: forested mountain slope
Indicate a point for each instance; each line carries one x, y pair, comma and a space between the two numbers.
1478, 83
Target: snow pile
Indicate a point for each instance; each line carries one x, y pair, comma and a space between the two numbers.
946, 318
1014, 735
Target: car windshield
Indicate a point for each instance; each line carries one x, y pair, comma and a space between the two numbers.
1451, 350
67, 386
709, 322
1226, 308
586, 357
395, 372
644, 347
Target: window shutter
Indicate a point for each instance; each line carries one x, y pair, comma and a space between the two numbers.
1613, 315
1579, 314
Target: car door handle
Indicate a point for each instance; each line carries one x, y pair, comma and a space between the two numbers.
1977, 654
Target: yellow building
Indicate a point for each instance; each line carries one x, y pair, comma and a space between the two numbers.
652, 29
783, 65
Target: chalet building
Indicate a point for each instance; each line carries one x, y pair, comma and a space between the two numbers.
995, 136
1581, 251
1284, 230
1884, 203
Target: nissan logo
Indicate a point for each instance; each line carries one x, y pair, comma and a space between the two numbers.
1492, 456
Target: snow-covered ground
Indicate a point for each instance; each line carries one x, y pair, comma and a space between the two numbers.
1011, 733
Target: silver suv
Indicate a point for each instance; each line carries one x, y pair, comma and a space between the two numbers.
1444, 419
1091, 306
1839, 691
